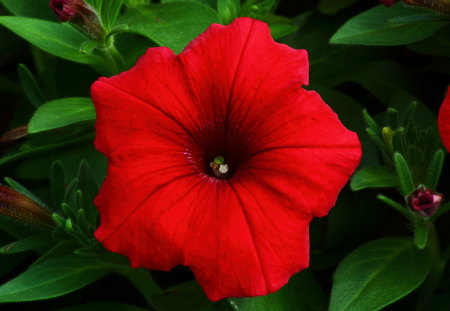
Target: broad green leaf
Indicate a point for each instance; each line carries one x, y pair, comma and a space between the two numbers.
55, 38
109, 12
30, 243
61, 112
373, 27
30, 86
103, 306
30, 8
331, 7
374, 177
378, 274
53, 278
303, 292
172, 25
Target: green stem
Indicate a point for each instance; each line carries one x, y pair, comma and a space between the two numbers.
437, 268
114, 61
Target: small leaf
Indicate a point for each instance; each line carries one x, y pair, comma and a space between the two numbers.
434, 169
404, 174
31, 243
376, 176
61, 112
228, 10
171, 24
109, 12
89, 186
377, 274
53, 278
373, 27
30, 86
421, 235
58, 39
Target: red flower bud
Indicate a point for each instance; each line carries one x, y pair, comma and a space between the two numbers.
388, 3
20, 207
80, 14
424, 201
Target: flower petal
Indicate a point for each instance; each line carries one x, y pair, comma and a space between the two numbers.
444, 121
306, 156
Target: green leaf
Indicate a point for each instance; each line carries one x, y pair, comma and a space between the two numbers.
53, 278
373, 27
172, 25
103, 306
404, 174
376, 176
228, 10
331, 7
28, 150
434, 169
303, 292
61, 112
109, 12
30, 243
30, 86
58, 39
377, 274
30, 8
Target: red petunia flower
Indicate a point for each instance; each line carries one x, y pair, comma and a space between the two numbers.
218, 160
444, 121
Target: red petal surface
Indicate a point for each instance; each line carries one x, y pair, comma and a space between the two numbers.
233, 92
444, 121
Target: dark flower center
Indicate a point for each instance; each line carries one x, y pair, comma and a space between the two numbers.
217, 142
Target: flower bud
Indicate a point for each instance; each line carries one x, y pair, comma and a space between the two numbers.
20, 207
80, 14
424, 201
388, 3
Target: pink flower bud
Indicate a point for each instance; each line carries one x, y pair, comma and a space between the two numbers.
424, 201
66, 10
388, 3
